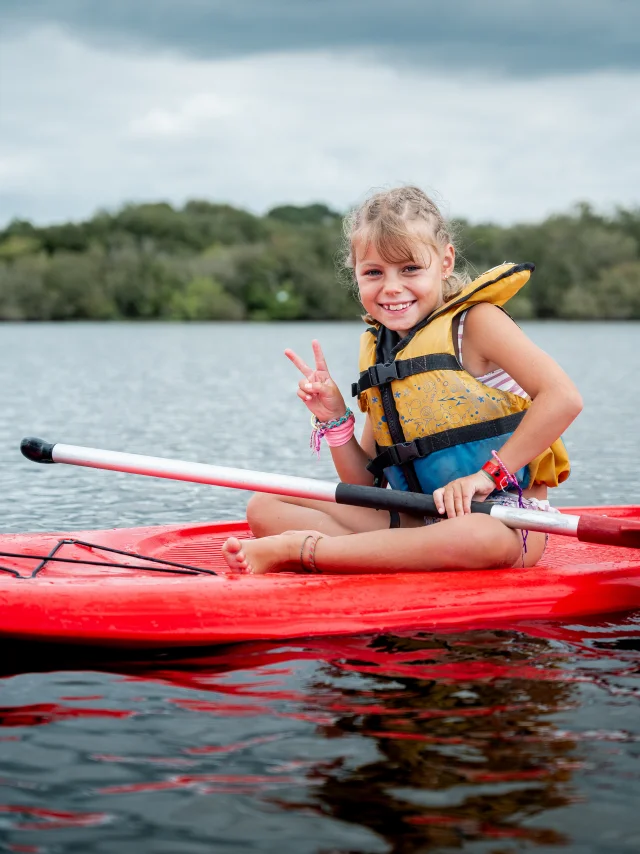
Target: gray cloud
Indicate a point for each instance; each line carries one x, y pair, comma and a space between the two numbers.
530, 38
82, 127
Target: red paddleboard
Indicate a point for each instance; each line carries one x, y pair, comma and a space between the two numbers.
146, 603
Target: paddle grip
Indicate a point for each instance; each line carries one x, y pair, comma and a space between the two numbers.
412, 503
613, 532
37, 450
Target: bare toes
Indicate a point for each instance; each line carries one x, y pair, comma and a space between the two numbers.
234, 556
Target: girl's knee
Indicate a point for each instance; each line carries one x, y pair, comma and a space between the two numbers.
501, 547
260, 509
489, 544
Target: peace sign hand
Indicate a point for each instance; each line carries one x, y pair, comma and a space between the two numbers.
316, 389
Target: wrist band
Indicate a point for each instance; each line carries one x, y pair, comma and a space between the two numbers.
336, 432
340, 435
495, 472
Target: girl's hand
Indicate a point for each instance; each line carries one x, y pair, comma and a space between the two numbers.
317, 390
455, 498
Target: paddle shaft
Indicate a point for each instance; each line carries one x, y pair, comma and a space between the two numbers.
598, 529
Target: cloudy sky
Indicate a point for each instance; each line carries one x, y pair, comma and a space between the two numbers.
507, 110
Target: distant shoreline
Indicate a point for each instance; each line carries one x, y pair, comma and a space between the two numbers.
214, 262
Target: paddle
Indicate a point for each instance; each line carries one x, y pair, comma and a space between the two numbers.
588, 528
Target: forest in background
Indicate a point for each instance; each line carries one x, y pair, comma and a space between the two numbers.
209, 261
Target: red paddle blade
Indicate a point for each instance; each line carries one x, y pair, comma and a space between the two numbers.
612, 532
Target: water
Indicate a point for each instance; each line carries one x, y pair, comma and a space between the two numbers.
524, 739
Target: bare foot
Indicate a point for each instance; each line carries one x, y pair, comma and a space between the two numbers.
266, 554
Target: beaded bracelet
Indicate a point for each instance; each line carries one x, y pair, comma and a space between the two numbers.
310, 565
322, 429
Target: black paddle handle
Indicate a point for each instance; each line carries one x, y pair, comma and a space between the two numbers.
37, 450
412, 503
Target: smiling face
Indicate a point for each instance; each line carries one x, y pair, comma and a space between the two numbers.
399, 292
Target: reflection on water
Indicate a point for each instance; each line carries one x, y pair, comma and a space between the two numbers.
464, 753
478, 741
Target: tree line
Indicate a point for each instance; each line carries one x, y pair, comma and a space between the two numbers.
209, 261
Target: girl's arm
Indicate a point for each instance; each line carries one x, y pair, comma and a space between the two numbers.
351, 459
492, 340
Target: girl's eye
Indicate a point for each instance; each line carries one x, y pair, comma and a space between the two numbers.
411, 268
372, 272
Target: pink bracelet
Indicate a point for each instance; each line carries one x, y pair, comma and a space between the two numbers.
340, 435
340, 430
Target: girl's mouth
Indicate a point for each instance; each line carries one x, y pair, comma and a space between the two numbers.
397, 307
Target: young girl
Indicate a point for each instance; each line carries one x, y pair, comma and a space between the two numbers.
458, 403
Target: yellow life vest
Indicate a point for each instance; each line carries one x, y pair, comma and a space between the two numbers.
432, 420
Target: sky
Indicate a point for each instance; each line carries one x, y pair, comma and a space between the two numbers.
505, 110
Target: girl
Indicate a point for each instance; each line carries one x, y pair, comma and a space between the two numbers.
447, 382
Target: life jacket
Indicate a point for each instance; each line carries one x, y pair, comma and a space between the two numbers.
432, 420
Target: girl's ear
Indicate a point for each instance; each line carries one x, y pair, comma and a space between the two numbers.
448, 260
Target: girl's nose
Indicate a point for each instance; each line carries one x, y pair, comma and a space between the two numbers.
392, 285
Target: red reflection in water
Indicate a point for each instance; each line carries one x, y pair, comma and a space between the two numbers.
53, 819
471, 828
474, 718
247, 783
220, 708
24, 849
474, 775
46, 713
252, 711
231, 748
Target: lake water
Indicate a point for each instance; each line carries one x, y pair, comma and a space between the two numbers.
492, 742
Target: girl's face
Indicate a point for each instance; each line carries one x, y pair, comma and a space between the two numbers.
401, 294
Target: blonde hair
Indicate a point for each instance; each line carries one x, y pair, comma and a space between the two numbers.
385, 220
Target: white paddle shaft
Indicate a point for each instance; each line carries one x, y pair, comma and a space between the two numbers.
256, 481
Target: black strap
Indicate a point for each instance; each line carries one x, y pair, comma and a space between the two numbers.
377, 375
405, 452
394, 519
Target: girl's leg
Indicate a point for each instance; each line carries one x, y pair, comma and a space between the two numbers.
274, 514
466, 542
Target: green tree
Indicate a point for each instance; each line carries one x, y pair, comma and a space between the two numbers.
204, 298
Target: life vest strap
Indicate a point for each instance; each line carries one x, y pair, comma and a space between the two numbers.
405, 452
379, 374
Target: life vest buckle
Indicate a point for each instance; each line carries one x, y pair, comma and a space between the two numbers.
380, 374
403, 452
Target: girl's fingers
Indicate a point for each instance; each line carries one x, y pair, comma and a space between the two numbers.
467, 495
300, 364
449, 502
304, 397
454, 500
309, 387
321, 364
439, 502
